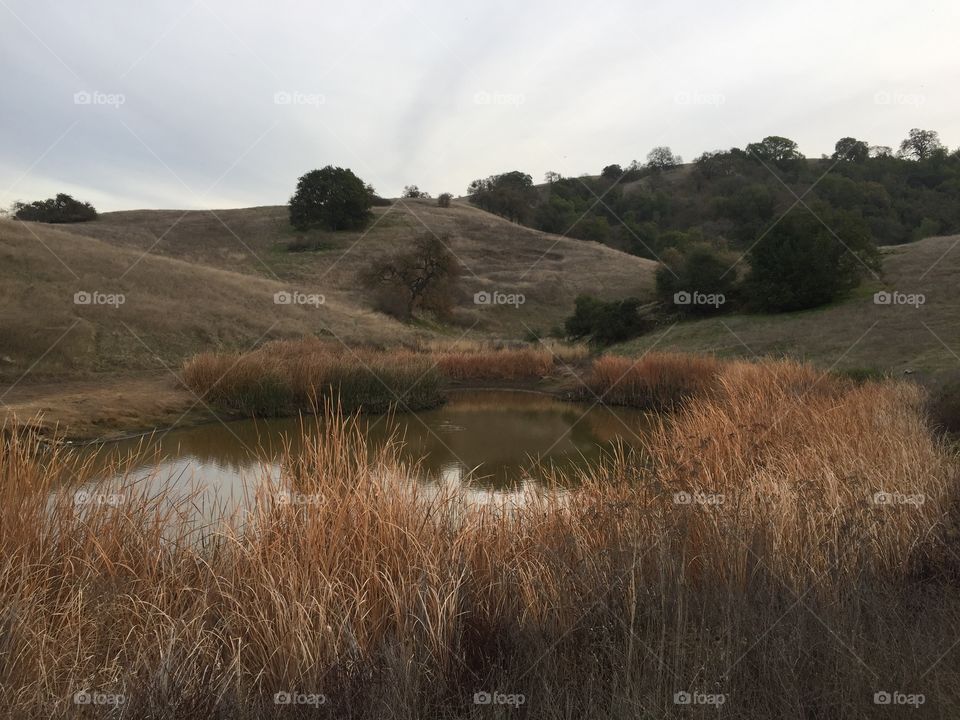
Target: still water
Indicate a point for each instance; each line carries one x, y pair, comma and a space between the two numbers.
481, 439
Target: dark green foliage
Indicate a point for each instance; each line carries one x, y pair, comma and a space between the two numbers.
802, 263
775, 149
730, 195
332, 198
412, 191
612, 172
921, 144
511, 194
851, 150
662, 157
61, 209
605, 323
443, 199
696, 275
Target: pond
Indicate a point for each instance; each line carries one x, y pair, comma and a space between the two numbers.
482, 440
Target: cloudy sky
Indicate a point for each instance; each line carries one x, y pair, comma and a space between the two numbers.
216, 103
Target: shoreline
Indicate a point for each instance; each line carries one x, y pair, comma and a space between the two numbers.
83, 412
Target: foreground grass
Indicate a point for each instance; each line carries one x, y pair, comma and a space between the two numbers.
744, 558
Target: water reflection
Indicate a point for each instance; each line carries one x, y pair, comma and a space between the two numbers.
485, 440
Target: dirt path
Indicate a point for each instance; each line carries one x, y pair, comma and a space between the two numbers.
104, 407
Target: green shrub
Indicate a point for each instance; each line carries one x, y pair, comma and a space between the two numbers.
605, 323
333, 198
61, 209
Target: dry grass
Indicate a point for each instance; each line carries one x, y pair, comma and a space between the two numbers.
203, 282
506, 364
286, 377
655, 381
779, 584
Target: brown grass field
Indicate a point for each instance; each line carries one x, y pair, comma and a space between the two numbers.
744, 554
208, 279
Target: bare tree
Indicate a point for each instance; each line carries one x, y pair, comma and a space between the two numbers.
424, 277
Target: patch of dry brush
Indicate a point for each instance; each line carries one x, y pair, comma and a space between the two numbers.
742, 553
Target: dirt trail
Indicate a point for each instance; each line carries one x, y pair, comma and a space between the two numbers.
105, 407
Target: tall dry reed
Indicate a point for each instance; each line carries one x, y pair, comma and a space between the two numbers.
744, 554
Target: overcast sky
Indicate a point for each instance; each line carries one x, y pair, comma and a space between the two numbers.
183, 104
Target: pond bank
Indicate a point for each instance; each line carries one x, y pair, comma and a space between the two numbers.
117, 407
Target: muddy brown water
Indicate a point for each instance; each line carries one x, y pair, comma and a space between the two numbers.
483, 440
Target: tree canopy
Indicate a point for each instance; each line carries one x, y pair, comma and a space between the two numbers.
60, 209
332, 198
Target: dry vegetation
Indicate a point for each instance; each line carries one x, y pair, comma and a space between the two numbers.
656, 381
205, 280
742, 554
285, 377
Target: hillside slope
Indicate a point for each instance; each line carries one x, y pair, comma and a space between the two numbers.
206, 279
856, 332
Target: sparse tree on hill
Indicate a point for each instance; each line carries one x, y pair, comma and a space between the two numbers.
423, 278
776, 149
60, 209
920, 144
443, 200
612, 172
333, 198
850, 149
662, 157
412, 191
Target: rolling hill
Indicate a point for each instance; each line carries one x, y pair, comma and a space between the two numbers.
206, 279
856, 333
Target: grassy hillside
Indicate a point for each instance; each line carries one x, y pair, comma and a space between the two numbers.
206, 280
855, 333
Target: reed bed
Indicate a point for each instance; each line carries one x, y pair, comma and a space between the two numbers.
744, 554
656, 381
506, 364
289, 376
286, 377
